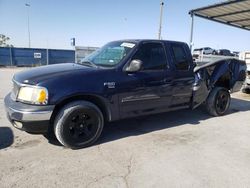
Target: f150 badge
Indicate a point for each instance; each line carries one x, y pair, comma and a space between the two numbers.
110, 85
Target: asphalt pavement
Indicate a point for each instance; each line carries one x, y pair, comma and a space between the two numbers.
177, 149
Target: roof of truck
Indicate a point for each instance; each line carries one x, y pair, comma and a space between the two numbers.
149, 40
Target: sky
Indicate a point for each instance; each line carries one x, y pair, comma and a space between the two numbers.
95, 22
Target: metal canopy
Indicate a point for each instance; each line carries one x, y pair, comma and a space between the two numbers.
234, 13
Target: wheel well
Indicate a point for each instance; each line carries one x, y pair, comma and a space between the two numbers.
93, 99
224, 81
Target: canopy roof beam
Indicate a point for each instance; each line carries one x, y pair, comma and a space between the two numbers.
234, 13
230, 14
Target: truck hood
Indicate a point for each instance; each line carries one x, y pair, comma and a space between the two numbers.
39, 74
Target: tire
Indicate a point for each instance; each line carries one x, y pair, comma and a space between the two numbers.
245, 90
78, 124
218, 101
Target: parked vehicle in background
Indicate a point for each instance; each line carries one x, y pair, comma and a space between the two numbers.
123, 79
245, 56
200, 57
205, 50
236, 54
198, 52
224, 52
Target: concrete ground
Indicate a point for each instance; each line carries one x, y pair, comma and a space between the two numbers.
177, 149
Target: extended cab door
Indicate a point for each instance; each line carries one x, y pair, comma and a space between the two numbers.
183, 80
148, 90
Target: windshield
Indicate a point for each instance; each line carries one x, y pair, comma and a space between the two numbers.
109, 55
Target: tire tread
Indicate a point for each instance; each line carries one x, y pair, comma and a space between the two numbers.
210, 102
67, 109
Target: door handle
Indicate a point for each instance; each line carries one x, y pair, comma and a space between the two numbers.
168, 80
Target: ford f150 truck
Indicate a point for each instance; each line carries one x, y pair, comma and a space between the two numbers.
123, 79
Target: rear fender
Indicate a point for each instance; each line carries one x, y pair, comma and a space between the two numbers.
227, 73
220, 70
205, 80
200, 88
230, 74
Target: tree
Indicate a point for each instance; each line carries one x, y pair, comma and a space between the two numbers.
4, 41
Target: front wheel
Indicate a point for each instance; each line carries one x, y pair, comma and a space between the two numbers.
218, 101
78, 124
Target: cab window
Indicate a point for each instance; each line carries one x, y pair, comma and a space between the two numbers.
152, 55
180, 58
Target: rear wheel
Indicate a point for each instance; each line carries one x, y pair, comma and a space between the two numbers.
246, 90
78, 124
218, 101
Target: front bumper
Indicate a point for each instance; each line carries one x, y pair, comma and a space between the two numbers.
30, 118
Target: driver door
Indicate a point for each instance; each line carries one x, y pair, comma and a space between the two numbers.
147, 91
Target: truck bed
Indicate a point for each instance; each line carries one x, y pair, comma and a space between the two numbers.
204, 59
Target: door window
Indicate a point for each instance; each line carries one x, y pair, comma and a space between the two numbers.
180, 58
152, 55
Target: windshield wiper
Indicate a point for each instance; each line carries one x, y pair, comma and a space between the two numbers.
87, 62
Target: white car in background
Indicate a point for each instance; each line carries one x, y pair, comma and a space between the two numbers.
199, 52
205, 50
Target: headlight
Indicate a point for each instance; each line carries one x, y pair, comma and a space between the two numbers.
33, 95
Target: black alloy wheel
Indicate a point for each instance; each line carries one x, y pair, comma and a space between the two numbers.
79, 124
222, 101
218, 101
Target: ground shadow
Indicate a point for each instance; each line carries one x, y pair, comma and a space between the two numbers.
143, 125
239, 105
51, 137
138, 126
6, 137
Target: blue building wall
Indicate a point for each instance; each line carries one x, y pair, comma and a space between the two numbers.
28, 56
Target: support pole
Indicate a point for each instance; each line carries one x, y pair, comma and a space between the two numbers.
47, 52
47, 56
160, 26
11, 58
192, 32
75, 54
28, 13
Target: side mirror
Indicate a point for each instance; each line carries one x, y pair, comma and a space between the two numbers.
134, 66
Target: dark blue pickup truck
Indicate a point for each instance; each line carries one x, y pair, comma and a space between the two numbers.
123, 79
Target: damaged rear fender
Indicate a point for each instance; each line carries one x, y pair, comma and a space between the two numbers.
227, 73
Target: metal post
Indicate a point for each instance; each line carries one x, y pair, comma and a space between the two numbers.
47, 51
192, 32
28, 6
160, 26
73, 44
47, 56
11, 61
75, 55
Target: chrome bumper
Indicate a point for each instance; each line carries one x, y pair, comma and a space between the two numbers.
17, 111
28, 116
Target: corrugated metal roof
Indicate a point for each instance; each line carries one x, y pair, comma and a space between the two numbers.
235, 13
